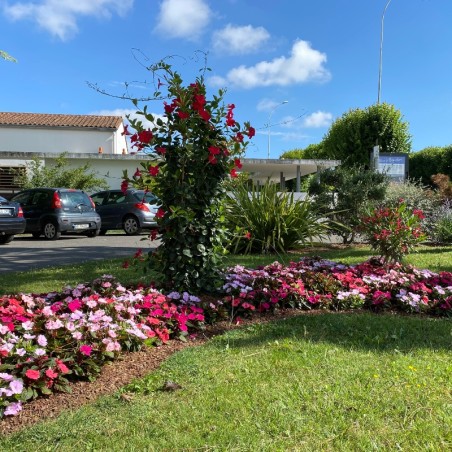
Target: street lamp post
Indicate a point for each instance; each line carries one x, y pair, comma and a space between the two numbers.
269, 124
381, 51
374, 155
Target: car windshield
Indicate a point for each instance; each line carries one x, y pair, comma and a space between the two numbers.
149, 198
2, 199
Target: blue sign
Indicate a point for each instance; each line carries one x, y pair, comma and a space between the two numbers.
394, 166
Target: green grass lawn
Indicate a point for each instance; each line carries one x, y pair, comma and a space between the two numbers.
328, 382
349, 381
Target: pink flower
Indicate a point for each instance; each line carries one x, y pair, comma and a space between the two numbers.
63, 368
51, 374
86, 350
13, 408
33, 374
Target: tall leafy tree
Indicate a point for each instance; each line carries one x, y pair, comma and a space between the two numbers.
352, 136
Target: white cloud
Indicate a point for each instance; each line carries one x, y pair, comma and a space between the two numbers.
318, 119
183, 18
304, 64
59, 17
236, 40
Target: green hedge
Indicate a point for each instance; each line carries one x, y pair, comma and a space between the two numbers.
432, 160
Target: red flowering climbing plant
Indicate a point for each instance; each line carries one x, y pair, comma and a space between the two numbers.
192, 149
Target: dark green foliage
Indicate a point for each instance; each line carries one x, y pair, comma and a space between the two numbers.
265, 220
343, 193
60, 174
429, 161
352, 136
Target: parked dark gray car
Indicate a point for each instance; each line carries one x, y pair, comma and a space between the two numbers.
12, 220
53, 211
131, 211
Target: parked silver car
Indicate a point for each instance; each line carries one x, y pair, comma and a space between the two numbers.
131, 211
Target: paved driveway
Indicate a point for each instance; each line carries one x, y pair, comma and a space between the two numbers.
26, 253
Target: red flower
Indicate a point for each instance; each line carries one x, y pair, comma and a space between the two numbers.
154, 170
124, 185
198, 102
183, 114
214, 150
238, 164
74, 305
153, 234
251, 132
238, 137
160, 150
247, 235
33, 374
137, 173
145, 136
212, 160
233, 172
230, 116
125, 264
204, 114
126, 131
138, 253
160, 213
169, 108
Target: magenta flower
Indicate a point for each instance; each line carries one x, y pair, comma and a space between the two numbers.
86, 350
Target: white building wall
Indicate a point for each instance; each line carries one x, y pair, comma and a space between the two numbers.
79, 141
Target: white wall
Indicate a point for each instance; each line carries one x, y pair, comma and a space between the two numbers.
61, 140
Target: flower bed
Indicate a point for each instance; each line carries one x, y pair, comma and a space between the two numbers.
47, 341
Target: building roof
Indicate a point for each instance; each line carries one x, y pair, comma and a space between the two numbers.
55, 120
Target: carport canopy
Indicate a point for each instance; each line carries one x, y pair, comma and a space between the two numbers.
281, 170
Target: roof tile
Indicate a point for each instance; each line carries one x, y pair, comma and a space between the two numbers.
56, 120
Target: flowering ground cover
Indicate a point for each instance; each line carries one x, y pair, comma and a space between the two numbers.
49, 340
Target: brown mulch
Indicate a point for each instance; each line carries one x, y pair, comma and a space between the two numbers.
121, 372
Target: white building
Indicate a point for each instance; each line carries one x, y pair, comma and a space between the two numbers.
99, 141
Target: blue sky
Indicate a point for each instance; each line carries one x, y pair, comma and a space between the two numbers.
321, 56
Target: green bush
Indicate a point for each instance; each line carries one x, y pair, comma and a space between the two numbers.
264, 220
416, 196
342, 193
429, 161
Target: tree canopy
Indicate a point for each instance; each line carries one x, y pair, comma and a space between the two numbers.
352, 136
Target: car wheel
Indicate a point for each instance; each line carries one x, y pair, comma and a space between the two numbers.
51, 231
4, 239
103, 231
36, 235
131, 225
93, 233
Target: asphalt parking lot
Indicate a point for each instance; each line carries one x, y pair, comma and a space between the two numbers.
25, 253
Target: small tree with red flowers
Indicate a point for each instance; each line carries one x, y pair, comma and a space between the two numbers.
193, 148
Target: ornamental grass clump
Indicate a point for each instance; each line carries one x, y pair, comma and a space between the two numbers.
192, 149
393, 231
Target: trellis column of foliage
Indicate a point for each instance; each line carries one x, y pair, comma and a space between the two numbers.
192, 149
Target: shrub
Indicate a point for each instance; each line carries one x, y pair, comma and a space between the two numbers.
441, 221
393, 232
415, 196
342, 193
264, 220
